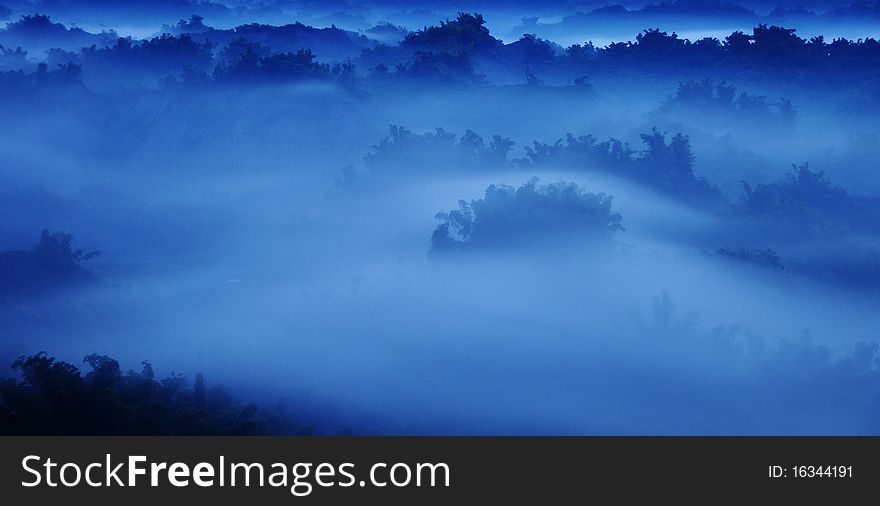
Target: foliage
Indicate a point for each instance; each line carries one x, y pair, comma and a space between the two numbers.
440, 68
532, 213
165, 53
402, 149
465, 34
667, 167
806, 203
25, 84
706, 97
55, 398
824, 231
51, 263
249, 66
456, 52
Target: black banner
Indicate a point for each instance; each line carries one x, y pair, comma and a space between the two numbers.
433, 470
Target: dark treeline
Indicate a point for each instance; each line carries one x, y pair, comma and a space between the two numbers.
55, 397
37, 32
459, 51
665, 165
720, 103
27, 86
331, 43
774, 51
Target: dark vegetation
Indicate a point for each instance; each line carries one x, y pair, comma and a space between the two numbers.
805, 204
774, 52
52, 263
25, 84
817, 228
249, 66
55, 397
184, 60
38, 32
402, 149
667, 167
508, 216
163, 54
823, 230
332, 43
720, 102
773, 221
461, 52
772, 49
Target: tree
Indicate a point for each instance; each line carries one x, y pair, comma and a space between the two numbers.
55, 398
51, 263
529, 215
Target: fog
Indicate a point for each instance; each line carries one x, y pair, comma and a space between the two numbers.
310, 235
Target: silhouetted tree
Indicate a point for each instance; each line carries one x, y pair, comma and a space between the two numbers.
52, 262
531, 214
54, 398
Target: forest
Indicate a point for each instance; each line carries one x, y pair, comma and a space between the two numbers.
379, 217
